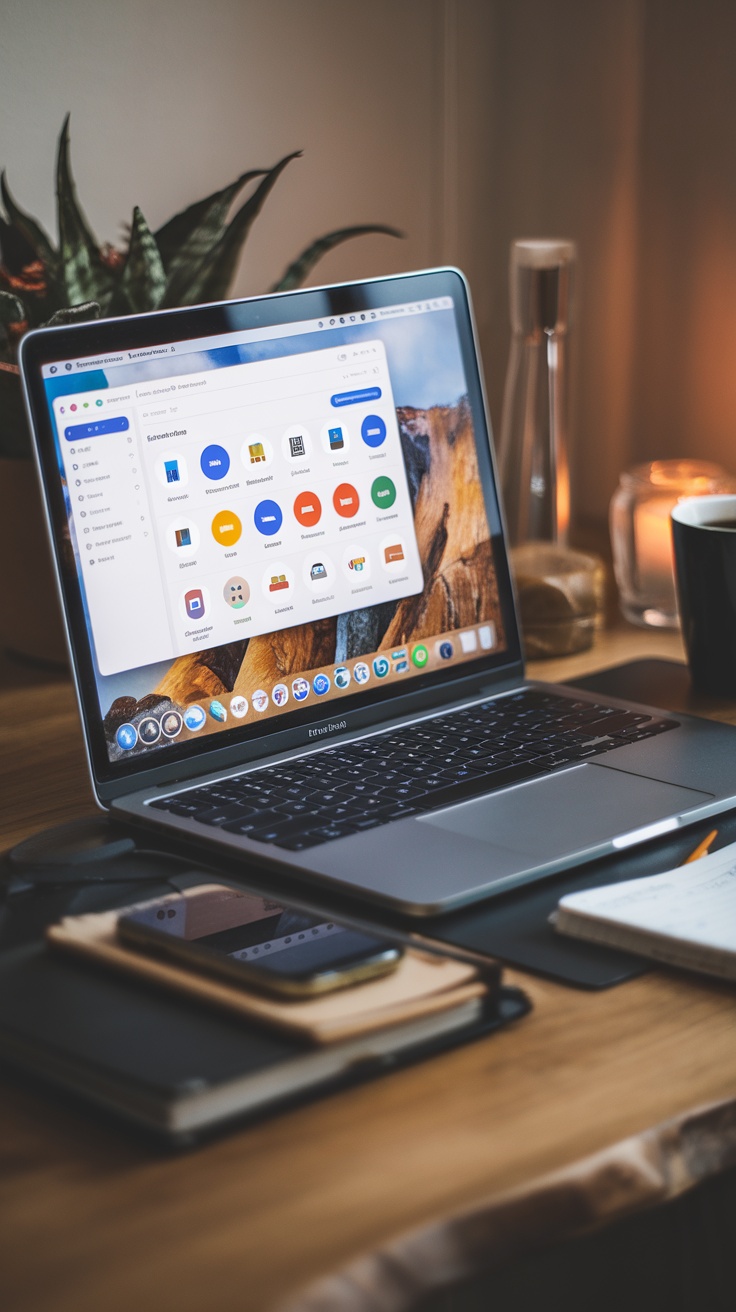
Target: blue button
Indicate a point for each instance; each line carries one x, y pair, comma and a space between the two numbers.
268, 518
373, 431
126, 737
214, 462
77, 432
321, 684
354, 398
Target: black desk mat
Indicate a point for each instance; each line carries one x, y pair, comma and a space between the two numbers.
513, 927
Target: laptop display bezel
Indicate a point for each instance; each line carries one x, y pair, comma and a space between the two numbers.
354, 712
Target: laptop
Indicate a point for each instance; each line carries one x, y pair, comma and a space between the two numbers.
281, 557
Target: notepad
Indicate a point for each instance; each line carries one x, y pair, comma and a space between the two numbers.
684, 917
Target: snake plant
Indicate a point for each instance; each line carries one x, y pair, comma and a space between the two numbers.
191, 259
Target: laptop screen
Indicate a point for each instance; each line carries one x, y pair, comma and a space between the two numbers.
273, 520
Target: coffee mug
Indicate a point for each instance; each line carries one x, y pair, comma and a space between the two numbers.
704, 539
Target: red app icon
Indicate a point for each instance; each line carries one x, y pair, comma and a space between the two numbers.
308, 509
346, 501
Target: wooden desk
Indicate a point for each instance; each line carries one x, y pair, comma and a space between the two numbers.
91, 1218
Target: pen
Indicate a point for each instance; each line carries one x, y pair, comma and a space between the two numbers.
701, 849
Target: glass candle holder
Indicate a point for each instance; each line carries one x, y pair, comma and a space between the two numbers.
641, 537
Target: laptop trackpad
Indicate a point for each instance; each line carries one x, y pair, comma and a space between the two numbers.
564, 813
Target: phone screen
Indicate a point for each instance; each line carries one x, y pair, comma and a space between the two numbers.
245, 932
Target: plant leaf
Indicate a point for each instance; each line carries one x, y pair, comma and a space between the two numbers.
11, 310
14, 440
74, 314
82, 271
211, 281
295, 274
144, 278
190, 235
29, 228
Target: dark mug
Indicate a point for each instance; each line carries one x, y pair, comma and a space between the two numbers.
704, 540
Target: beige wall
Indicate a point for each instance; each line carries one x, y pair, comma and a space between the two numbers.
463, 122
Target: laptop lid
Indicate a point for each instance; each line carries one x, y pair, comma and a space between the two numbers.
274, 520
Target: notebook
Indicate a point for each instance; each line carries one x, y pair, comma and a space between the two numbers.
281, 556
685, 917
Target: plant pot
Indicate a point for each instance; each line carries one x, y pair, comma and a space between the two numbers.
30, 615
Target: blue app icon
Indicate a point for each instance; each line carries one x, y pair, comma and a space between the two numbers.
321, 684
194, 718
373, 430
300, 689
342, 676
214, 462
218, 712
381, 667
268, 518
126, 737
446, 651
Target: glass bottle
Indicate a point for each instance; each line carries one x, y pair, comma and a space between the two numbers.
560, 591
535, 480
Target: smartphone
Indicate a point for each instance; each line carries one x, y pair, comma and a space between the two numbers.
252, 941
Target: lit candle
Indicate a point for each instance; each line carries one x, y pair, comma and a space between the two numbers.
641, 536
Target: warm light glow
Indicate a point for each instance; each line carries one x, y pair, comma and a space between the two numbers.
653, 538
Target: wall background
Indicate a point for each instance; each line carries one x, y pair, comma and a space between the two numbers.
462, 122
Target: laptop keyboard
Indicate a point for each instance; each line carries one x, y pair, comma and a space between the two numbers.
355, 786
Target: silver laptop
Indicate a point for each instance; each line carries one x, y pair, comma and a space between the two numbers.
282, 564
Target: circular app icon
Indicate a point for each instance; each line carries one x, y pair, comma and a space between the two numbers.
238, 706
171, 471
445, 650
194, 718
361, 672
308, 509
300, 689
346, 501
226, 528
256, 453
218, 711
321, 684
392, 554
171, 724
214, 462
126, 737
335, 439
373, 430
182, 537
342, 676
149, 730
383, 492
259, 700
278, 583
236, 592
420, 656
279, 694
381, 667
268, 518
296, 444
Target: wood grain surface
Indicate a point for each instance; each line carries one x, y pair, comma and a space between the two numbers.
92, 1217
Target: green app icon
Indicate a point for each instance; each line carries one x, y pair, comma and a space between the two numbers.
420, 656
383, 492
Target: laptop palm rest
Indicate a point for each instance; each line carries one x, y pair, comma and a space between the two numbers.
567, 812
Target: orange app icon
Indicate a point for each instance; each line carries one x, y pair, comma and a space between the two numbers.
308, 509
226, 528
393, 553
346, 501
278, 583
